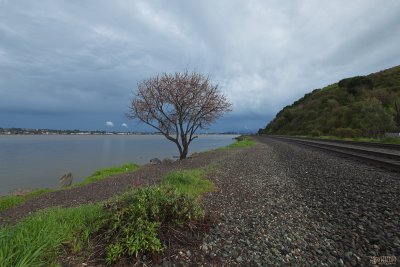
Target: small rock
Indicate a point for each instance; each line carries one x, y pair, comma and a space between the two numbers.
372, 253
66, 180
239, 259
20, 191
155, 161
348, 254
168, 161
396, 241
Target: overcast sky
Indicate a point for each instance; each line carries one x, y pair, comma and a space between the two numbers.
74, 64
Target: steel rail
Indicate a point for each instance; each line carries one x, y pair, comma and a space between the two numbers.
382, 159
355, 143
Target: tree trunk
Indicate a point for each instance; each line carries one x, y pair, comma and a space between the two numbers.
184, 152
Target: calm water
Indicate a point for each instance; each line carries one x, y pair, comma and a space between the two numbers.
38, 161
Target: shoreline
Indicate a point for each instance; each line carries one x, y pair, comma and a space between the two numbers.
110, 186
46, 158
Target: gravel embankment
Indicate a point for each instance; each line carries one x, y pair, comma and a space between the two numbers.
286, 205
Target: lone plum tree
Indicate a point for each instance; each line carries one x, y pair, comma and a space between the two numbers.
177, 105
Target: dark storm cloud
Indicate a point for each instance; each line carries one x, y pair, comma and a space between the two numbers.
86, 57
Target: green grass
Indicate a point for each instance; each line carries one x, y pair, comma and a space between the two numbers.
242, 142
134, 220
37, 240
191, 182
41, 238
11, 200
107, 172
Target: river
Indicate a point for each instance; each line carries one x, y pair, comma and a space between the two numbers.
37, 161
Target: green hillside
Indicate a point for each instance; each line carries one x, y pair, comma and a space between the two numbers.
361, 106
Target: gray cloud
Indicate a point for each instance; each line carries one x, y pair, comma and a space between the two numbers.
88, 56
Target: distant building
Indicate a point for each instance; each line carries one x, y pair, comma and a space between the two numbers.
395, 135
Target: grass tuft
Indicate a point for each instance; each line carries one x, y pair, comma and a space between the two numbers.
134, 221
107, 172
191, 182
38, 239
12, 200
242, 142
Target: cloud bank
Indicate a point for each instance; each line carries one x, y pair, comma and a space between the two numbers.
78, 61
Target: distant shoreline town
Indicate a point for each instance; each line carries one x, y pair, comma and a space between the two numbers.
27, 131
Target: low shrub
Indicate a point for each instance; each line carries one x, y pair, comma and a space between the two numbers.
346, 132
315, 133
135, 219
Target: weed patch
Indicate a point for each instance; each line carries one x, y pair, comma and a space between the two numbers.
135, 220
11, 200
191, 182
242, 142
38, 239
107, 172
143, 221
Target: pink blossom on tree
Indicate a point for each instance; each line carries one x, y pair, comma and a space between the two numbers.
178, 105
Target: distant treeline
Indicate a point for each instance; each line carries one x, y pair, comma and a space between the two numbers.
46, 131
26, 131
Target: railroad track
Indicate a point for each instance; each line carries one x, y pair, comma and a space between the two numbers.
383, 155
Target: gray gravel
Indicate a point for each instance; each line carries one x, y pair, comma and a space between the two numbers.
285, 205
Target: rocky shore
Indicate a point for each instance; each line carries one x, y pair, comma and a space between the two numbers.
277, 204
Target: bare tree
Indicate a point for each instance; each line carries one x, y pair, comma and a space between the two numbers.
178, 105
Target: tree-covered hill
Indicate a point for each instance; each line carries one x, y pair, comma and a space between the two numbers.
358, 106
